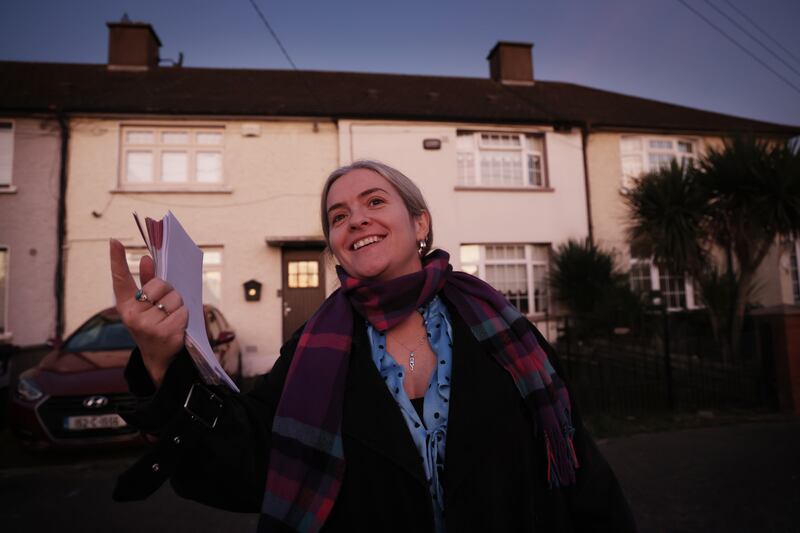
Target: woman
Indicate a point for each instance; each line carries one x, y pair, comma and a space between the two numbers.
414, 399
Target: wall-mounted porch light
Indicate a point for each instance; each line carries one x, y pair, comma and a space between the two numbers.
252, 291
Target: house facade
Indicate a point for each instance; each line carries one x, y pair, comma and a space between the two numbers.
246, 191
511, 167
615, 160
30, 163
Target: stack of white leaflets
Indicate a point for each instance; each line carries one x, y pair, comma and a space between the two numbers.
179, 262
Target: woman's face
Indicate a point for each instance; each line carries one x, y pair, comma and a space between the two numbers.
372, 234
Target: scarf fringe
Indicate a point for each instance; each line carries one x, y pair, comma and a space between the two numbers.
562, 461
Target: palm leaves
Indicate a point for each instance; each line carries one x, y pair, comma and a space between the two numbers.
581, 274
717, 221
586, 281
667, 213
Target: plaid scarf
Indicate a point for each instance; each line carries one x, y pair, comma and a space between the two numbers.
306, 464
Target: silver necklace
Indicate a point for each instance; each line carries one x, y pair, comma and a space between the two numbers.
412, 351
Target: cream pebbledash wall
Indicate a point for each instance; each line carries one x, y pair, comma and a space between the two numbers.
29, 228
609, 216
604, 166
475, 216
272, 187
773, 284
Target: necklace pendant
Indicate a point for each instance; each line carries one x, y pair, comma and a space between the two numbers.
411, 361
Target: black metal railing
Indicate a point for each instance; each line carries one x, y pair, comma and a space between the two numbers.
631, 373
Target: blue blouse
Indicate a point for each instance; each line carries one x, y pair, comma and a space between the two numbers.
430, 432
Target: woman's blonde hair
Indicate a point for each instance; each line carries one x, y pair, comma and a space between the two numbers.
409, 192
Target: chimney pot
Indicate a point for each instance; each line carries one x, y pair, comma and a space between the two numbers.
132, 46
511, 63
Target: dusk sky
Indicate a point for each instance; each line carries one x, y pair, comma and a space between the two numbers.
649, 48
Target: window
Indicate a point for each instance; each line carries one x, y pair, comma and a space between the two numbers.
678, 290
3, 290
303, 274
645, 154
487, 159
212, 272
519, 271
167, 157
6, 153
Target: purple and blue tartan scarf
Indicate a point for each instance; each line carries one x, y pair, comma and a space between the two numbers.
307, 462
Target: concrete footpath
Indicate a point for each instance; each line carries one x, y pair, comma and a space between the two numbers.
733, 478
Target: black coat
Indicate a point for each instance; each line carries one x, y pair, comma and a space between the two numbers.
495, 472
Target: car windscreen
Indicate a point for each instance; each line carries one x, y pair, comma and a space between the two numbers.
100, 334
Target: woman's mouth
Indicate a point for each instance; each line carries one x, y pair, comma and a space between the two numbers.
366, 241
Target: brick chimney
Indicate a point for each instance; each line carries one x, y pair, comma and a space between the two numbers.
132, 45
511, 63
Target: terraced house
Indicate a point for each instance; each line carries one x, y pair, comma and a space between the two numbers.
511, 166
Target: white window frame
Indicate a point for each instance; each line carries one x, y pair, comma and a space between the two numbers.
640, 157
5, 332
471, 157
655, 285
478, 268
134, 253
7, 135
157, 148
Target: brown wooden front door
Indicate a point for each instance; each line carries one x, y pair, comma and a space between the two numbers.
303, 286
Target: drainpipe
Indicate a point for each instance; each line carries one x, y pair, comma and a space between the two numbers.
584, 142
63, 125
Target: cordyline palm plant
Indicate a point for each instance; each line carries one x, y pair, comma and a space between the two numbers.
718, 221
586, 281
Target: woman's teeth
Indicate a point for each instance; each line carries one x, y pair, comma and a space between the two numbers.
365, 241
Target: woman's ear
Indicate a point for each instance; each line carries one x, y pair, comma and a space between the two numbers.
422, 224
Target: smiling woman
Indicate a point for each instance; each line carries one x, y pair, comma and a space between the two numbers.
369, 227
415, 398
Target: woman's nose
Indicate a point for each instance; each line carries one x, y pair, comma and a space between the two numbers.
357, 219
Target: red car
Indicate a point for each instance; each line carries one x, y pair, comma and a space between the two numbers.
72, 398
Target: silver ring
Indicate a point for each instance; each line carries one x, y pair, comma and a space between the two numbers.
161, 306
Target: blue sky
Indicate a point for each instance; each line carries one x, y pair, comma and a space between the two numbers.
649, 48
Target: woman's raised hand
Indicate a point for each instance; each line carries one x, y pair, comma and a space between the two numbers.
156, 323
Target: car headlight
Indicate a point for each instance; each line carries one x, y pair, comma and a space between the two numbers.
28, 390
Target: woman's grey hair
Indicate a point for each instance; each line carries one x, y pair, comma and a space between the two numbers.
409, 192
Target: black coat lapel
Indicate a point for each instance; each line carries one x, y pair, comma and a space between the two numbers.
371, 414
478, 395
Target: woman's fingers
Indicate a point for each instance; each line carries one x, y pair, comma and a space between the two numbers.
156, 289
166, 305
160, 306
147, 269
121, 277
178, 319
157, 323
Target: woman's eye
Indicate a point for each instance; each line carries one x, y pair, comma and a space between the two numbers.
376, 201
337, 218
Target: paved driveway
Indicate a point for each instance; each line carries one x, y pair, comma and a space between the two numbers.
734, 478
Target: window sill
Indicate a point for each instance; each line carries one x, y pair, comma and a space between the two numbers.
503, 189
539, 317
219, 189
8, 190
7, 336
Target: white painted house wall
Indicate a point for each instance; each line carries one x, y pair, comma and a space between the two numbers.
477, 216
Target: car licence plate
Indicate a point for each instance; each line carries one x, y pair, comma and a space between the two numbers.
78, 423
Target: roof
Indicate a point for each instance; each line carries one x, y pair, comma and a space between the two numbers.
27, 87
